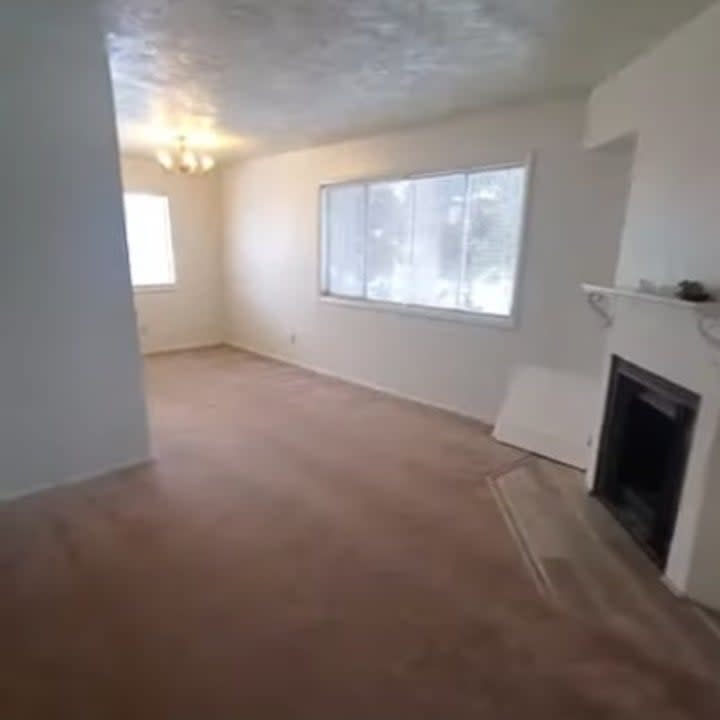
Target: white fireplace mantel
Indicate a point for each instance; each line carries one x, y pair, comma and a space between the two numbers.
706, 315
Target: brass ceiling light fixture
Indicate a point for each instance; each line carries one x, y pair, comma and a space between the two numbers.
183, 160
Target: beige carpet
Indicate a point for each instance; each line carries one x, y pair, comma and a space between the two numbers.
302, 549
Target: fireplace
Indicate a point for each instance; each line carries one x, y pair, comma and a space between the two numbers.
644, 446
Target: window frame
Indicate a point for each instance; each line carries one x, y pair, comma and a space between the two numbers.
460, 315
154, 287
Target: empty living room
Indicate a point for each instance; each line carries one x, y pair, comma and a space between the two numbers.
360, 359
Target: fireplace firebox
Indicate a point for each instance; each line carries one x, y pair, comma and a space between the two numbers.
644, 446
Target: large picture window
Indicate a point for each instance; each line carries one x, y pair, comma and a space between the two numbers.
149, 239
448, 241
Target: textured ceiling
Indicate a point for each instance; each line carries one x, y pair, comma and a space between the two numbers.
263, 75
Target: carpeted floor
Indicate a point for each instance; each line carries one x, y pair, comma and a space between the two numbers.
301, 549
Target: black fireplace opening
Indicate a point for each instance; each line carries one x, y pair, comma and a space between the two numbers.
644, 446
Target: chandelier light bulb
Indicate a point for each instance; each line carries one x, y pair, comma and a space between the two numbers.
165, 158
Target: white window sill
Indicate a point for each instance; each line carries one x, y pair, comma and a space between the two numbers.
458, 316
140, 289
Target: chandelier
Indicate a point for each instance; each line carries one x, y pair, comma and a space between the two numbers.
184, 160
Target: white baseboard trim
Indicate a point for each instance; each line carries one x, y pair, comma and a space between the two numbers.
360, 383
535, 441
672, 587
183, 348
75, 480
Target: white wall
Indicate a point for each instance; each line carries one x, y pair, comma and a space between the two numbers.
575, 218
71, 404
670, 98
189, 315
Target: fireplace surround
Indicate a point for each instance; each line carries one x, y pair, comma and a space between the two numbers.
679, 342
644, 446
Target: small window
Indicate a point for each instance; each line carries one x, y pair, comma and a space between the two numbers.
149, 239
448, 241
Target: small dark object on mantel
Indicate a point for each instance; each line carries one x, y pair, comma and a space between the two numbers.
693, 291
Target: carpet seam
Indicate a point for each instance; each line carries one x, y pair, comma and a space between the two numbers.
538, 575
509, 467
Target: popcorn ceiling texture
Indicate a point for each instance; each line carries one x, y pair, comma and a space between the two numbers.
287, 73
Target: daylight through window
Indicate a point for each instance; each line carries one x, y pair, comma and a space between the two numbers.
448, 241
149, 239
